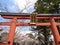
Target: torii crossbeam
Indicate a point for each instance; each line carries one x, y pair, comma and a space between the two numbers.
16, 16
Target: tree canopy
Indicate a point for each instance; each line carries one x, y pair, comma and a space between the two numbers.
47, 6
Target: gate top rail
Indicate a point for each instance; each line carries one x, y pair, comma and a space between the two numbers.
25, 14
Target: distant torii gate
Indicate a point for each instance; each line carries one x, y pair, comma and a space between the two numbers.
14, 23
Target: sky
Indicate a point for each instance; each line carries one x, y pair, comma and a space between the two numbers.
17, 6
26, 3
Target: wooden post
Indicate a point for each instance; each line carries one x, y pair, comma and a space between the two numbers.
10, 38
55, 31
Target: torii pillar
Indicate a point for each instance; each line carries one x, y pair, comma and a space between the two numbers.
12, 32
55, 31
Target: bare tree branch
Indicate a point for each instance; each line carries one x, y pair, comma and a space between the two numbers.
28, 4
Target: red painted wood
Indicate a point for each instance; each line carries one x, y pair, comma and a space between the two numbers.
28, 17
12, 32
55, 31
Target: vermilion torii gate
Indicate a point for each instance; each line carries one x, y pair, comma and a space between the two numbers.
14, 23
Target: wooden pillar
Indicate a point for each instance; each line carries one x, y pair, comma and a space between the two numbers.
10, 38
55, 31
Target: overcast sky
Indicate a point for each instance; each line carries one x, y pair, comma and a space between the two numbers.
26, 3
18, 5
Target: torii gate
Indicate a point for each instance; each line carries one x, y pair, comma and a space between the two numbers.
14, 23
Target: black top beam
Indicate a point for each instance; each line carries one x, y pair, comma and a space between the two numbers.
26, 14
